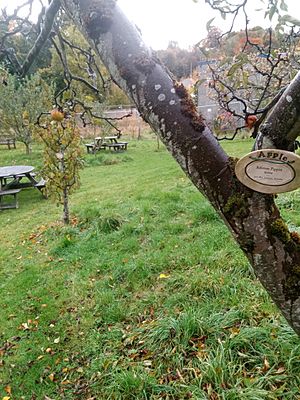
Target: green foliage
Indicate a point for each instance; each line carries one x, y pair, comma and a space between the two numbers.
179, 61
21, 103
20, 44
80, 66
290, 19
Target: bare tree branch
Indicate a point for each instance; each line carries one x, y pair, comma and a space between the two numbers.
48, 20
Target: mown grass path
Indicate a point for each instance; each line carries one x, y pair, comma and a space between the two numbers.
144, 296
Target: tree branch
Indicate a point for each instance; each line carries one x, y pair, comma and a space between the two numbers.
50, 14
283, 124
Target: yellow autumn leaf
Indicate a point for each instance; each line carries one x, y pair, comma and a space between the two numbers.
51, 377
6, 398
163, 276
234, 331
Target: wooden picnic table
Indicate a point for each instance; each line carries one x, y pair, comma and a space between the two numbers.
11, 182
13, 174
112, 139
106, 142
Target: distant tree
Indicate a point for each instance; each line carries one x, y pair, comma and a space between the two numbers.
211, 43
21, 103
180, 62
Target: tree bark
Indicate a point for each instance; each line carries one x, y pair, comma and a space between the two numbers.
28, 148
253, 218
66, 213
283, 124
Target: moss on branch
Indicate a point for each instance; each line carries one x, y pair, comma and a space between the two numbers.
189, 109
237, 205
291, 285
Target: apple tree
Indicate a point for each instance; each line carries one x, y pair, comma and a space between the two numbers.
21, 102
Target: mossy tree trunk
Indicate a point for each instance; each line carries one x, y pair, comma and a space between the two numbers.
253, 218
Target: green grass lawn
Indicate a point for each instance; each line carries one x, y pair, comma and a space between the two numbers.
144, 296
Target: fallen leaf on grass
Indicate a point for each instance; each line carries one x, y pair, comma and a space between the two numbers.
266, 366
24, 326
66, 382
234, 331
280, 370
51, 377
30, 325
7, 389
163, 276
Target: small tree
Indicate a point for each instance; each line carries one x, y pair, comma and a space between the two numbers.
21, 103
62, 159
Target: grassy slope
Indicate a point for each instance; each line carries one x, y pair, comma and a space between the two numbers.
145, 296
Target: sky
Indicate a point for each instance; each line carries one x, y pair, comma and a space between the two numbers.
183, 21
162, 21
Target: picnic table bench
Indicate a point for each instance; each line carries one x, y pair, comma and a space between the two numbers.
8, 142
107, 142
93, 147
117, 146
10, 192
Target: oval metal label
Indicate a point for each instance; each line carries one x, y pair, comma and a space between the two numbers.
269, 171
